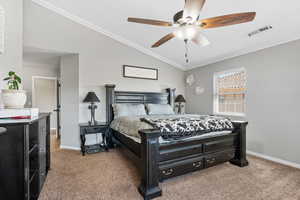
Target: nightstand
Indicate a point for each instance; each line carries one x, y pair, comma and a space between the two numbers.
87, 129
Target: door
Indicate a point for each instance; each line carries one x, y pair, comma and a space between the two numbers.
44, 97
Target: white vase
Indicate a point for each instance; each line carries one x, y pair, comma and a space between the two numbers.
14, 98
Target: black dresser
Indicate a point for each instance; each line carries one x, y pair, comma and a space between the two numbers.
24, 157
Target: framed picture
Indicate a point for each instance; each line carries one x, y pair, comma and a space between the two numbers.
2, 25
140, 72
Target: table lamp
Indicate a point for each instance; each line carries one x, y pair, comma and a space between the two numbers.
180, 100
92, 98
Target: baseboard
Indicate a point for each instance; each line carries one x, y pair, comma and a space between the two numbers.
273, 159
270, 158
69, 147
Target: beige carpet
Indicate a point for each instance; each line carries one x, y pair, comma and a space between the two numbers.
110, 176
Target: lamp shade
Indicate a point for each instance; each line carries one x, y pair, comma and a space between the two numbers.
91, 97
180, 99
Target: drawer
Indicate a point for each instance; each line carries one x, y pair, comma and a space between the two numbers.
181, 167
94, 130
214, 146
220, 157
169, 154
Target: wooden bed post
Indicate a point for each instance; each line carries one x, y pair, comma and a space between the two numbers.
149, 187
240, 154
171, 97
110, 99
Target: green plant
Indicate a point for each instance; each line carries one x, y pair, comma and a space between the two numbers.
13, 80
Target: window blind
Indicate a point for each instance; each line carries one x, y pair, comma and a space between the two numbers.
230, 92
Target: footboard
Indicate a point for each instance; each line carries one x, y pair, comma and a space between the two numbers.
240, 151
159, 162
149, 187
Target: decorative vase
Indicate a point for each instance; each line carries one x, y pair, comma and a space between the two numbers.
14, 98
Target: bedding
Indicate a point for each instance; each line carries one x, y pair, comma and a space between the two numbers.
125, 109
159, 109
180, 127
130, 126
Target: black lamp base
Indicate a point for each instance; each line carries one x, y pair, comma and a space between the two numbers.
180, 106
92, 107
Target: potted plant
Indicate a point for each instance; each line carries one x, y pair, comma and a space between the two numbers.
13, 97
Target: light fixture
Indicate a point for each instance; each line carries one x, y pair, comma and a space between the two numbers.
202, 40
186, 32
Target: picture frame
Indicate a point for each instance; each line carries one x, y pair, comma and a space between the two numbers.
137, 72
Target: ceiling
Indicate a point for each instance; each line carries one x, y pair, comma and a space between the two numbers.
110, 18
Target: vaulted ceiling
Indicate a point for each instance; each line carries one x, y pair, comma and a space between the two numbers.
110, 17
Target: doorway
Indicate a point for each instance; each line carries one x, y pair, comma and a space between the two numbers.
45, 97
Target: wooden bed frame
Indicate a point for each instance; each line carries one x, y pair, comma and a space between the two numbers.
158, 162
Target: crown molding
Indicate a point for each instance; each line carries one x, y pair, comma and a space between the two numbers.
241, 53
105, 32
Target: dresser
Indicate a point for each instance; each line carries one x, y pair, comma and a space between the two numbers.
24, 157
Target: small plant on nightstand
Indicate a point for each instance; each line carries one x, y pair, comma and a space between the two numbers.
13, 97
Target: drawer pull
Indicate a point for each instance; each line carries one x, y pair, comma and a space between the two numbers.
197, 164
211, 161
168, 172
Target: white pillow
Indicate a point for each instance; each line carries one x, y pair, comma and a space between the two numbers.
125, 109
159, 109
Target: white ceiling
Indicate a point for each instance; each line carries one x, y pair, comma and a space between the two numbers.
110, 17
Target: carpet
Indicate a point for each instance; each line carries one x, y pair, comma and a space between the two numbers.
111, 176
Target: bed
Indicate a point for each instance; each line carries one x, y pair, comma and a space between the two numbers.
158, 159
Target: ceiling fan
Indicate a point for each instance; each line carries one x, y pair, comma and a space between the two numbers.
188, 26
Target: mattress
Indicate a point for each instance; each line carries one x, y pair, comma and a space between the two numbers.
129, 127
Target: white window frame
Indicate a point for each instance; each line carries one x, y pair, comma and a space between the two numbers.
216, 96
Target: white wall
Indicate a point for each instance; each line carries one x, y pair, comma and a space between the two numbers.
12, 57
272, 101
36, 69
100, 58
69, 73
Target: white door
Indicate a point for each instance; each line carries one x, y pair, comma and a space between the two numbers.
44, 97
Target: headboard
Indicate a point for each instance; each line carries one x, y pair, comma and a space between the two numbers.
113, 96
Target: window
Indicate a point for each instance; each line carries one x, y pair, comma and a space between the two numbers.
230, 92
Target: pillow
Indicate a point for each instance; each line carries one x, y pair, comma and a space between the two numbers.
126, 109
159, 109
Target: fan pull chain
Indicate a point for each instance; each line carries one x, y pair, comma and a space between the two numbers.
186, 51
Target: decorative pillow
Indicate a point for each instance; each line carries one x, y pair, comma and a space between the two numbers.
126, 109
159, 109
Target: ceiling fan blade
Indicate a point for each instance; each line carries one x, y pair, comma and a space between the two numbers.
149, 22
227, 20
200, 40
192, 9
163, 40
